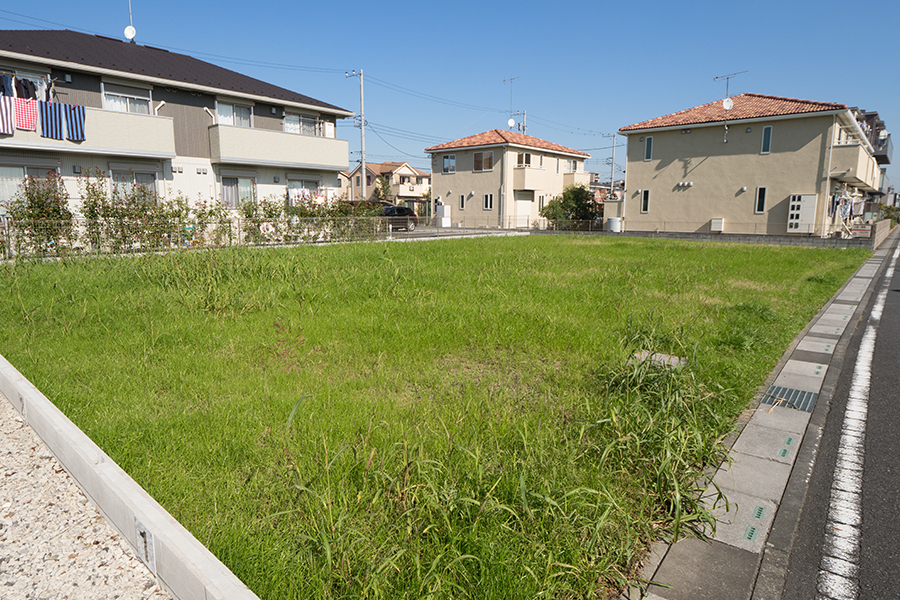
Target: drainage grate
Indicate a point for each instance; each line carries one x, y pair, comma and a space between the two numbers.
758, 512
788, 441
750, 534
783, 453
790, 398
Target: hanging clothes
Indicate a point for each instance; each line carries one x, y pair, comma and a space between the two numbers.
6, 86
7, 115
25, 88
74, 122
40, 90
51, 120
26, 113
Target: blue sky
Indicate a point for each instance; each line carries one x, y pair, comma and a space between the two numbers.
435, 71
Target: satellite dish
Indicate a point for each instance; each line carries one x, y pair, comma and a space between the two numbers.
728, 103
130, 32
511, 122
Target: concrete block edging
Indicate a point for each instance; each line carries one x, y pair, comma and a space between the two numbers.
182, 565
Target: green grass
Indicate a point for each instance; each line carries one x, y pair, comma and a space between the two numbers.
451, 419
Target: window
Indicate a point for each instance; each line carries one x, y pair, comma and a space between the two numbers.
488, 202
302, 125
11, 178
645, 201
571, 165
449, 163
648, 148
760, 206
484, 161
405, 179
357, 181
540, 203
237, 190
298, 190
418, 181
524, 159
123, 98
368, 180
233, 114
766, 140
126, 181
462, 202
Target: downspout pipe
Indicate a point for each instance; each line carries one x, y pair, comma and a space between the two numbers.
828, 176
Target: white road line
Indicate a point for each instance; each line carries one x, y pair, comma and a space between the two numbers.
839, 568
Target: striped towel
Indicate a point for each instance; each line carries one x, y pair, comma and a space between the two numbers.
74, 122
51, 120
7, 115
26, 113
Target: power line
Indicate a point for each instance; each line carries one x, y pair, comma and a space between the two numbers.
375, 131
569, 128
424, 96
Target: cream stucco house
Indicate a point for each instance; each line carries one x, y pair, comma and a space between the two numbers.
502, 178
409, 185
765, 165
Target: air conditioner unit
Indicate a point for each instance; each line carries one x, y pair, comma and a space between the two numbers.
717, 225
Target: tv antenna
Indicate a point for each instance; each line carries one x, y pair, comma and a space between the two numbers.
727, 79
523, 126
130, 31
510, 80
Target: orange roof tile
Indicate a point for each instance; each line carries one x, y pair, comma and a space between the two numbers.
746, 106
498, 137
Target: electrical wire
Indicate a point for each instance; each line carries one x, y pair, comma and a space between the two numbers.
424, 96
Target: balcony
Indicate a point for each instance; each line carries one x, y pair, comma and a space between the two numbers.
579, 178
264, 147
107, 132
409, 190
883, 150
850, 163
528, 178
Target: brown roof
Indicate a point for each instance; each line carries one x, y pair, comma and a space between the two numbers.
746, 106
109, 53
498, 137
386, 168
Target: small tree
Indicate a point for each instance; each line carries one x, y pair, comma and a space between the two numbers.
41, 216
575, 204
382, 191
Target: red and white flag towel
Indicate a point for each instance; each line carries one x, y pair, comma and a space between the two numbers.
26, 113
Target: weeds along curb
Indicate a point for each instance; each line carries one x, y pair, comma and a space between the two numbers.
182, 565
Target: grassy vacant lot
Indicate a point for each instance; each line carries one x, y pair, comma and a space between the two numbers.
443, 419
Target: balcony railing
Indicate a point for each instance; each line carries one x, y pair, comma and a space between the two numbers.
851, 163
577, 178
107, 132
409, 189
245, 145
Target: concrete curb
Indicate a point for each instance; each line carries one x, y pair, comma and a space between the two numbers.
182, 565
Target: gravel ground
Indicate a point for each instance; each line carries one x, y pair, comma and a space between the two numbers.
53, 542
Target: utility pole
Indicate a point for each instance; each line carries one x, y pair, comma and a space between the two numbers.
362, 130
523, 126
612, 166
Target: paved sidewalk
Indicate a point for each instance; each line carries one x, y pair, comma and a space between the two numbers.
771, 461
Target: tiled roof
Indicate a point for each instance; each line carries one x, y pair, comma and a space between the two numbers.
497, 137
746, 106
109, 53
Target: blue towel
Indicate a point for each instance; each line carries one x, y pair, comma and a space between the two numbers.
74, 122
51, 120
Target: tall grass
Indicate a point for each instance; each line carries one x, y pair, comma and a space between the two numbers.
458, 419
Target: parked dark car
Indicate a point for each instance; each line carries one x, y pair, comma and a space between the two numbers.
400, 217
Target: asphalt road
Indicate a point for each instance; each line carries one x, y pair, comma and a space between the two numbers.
869, 571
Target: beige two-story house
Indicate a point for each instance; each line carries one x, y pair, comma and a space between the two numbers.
409, 186
167, 121
502, 178
751, 164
